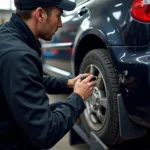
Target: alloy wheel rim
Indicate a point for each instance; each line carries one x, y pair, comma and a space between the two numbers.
96, 105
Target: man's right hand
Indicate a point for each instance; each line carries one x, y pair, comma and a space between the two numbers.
84, 87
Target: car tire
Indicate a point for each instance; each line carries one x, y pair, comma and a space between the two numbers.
101, 117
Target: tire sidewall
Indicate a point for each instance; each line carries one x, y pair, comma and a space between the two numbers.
94, 58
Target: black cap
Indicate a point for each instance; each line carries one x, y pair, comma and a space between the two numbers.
67, 5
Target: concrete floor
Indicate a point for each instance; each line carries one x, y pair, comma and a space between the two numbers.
63, 144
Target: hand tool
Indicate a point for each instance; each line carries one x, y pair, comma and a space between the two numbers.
93, 79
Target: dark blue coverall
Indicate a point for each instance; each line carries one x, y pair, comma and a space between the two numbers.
27, 120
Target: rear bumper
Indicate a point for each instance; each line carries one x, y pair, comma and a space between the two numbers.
135, 89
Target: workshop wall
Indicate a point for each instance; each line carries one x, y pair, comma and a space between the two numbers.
5, 16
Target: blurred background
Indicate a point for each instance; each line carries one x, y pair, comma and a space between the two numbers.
6, 9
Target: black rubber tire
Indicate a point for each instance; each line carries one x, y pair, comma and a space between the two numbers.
109, 133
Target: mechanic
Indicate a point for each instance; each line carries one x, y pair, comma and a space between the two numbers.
27, 120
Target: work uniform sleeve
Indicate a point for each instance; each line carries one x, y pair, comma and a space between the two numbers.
56, 85
26, 96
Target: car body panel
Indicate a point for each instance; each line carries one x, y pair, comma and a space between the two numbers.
136, 60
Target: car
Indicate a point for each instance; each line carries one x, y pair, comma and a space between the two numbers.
111, 40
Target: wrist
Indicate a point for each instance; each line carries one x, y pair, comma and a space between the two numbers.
70, 83
81, 95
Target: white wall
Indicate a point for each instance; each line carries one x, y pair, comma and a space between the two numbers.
5, 16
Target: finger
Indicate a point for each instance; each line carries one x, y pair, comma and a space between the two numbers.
86, 74
89, 78
93, 83
79, 80
91, 88
90, 93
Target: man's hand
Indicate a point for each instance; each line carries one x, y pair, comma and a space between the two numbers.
84, 87
71, 82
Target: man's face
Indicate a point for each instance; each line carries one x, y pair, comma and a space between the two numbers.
51, 24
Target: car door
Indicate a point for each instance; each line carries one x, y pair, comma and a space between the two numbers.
57, 53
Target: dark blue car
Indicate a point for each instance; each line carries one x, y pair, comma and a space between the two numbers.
111, 40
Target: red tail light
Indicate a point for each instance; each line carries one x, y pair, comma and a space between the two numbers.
140, 10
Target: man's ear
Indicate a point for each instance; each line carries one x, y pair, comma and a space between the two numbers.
40, 14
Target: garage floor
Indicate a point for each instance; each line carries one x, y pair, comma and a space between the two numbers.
64, 145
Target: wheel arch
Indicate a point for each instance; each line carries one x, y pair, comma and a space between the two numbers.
89, 42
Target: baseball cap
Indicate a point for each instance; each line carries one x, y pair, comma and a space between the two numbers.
67, 5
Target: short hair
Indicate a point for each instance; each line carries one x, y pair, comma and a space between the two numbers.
26, 14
